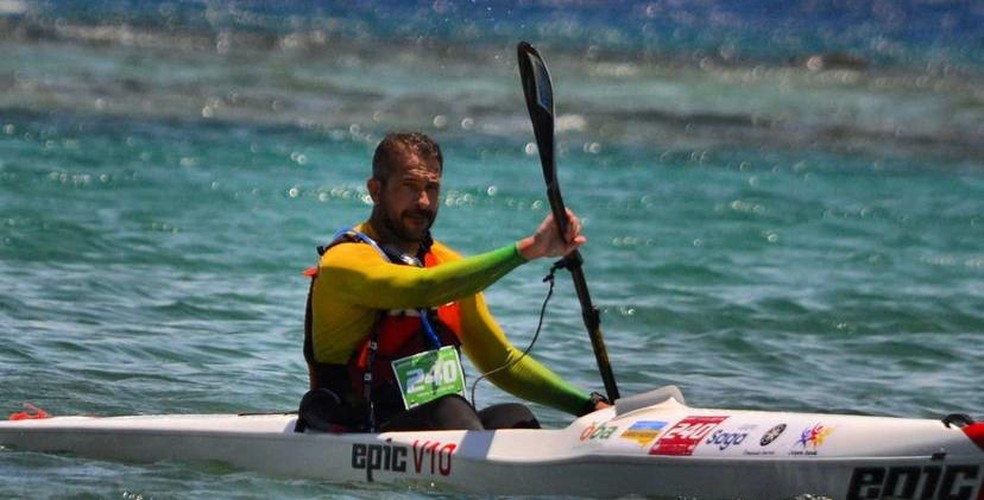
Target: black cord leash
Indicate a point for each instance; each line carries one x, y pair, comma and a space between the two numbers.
549, 278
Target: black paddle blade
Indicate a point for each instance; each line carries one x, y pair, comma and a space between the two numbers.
538, 91
536, 83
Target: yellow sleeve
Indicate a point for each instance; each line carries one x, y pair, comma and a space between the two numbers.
485, 344
355, 282
361, 276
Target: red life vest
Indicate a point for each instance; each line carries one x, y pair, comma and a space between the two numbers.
397, 334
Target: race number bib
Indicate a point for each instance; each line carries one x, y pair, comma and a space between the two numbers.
429, 375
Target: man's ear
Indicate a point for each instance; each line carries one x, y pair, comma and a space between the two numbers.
374, 187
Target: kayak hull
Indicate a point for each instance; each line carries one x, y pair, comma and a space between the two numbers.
652, 445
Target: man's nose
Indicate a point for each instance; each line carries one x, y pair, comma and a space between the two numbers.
424, 199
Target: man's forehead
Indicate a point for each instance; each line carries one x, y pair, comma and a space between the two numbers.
412, 165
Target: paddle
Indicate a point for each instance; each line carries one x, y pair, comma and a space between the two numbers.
538, 91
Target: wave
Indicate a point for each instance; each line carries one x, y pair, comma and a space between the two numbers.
354, 71
852, 35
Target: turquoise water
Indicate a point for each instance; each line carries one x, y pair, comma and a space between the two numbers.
769, 226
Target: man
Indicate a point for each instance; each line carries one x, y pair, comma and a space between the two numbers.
389, 309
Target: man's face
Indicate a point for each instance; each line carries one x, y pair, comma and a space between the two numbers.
407, 201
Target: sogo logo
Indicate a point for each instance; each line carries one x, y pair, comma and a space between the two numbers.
724, 439
683, 437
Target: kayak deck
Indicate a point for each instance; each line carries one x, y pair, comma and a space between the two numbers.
651, 444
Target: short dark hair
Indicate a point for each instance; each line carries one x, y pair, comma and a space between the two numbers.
398, 144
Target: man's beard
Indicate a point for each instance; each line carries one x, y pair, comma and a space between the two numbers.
397, 228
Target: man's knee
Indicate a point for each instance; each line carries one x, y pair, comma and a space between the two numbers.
508, 416
451, 412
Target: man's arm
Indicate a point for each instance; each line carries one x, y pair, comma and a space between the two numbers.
359, 275
486, 345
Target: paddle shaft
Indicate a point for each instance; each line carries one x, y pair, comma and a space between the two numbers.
538, 91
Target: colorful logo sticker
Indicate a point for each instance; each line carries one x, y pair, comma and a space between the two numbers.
771, 435
811, 438
683, 437
598, 431
644, 431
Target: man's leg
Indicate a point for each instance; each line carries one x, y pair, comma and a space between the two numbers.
451, 412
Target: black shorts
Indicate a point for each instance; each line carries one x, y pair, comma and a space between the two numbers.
322, 409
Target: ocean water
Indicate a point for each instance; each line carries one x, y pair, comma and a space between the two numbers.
784, 205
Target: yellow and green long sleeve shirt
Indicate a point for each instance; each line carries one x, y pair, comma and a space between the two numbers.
355, 283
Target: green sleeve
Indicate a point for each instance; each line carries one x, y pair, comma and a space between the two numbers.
361, 277
487, 347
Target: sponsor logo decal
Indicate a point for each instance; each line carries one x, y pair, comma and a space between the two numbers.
771, 435
598, 431
767, 439
644, 431
429, 457
952, 482
683, 437
810, 439
974, 431
723, 439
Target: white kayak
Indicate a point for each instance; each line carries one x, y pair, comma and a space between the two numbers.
651, 444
